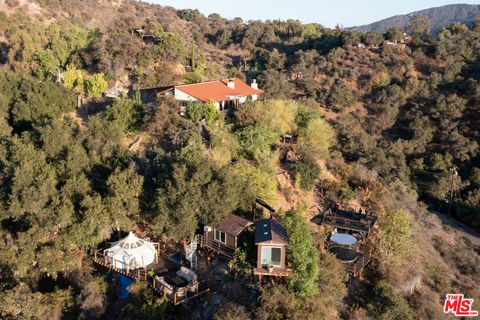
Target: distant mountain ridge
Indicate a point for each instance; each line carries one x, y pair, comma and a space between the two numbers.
439, 17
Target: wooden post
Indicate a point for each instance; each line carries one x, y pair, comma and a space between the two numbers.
145, 273
175, 298
127, 269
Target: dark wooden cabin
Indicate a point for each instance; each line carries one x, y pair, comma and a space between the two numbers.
271, 240
224, 238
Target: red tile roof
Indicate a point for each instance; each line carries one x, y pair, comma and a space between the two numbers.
217, 90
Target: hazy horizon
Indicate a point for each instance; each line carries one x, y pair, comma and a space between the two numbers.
308, 11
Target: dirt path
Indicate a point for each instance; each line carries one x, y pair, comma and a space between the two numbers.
463, 229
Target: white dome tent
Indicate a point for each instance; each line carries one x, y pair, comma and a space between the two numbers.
131, 253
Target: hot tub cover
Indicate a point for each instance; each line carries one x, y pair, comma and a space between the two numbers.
343, 239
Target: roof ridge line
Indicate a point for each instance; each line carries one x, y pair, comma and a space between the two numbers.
192, 84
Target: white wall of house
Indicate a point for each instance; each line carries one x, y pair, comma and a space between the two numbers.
182, 96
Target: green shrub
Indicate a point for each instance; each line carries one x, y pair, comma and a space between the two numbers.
302, 254
341, 97
386, 304
394, 232
96, 85
197, 111
127, 113
306, 173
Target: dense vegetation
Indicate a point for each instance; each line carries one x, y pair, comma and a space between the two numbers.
383, 127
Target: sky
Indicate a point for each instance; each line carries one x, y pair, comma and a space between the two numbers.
329, 13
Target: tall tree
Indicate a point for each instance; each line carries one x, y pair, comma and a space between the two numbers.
302, 254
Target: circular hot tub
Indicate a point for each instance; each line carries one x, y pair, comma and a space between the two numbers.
345, 255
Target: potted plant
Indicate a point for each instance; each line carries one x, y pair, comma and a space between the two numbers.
270, 267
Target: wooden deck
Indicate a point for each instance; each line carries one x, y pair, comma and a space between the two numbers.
161, 267
216, 247
347, 220
275, 272
181, 295
356, 268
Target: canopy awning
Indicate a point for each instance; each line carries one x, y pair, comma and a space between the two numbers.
131, 252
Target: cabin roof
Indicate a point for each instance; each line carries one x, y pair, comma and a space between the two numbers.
217, 90
234, 225
270, 230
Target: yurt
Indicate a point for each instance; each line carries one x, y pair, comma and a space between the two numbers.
131, 253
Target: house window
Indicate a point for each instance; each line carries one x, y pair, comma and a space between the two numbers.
271, 255
220, 236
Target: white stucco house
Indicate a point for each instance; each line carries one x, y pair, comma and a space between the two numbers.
226, 93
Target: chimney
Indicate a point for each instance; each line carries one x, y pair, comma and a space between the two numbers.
254, 84
231, 84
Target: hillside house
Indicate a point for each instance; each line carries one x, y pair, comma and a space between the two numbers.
407, 39
226, 93
271, 240
224, 238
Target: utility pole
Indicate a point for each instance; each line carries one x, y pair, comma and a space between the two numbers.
454, 175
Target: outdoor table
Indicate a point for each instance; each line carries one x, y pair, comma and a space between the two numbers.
343, 239
177, 281
343, 254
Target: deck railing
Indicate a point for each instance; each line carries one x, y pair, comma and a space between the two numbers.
175, 295
216, 246
276, 272
362, 225
181, 295
134, 273
356, 267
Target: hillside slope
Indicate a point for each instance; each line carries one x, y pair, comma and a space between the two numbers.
439, 17
397, 120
